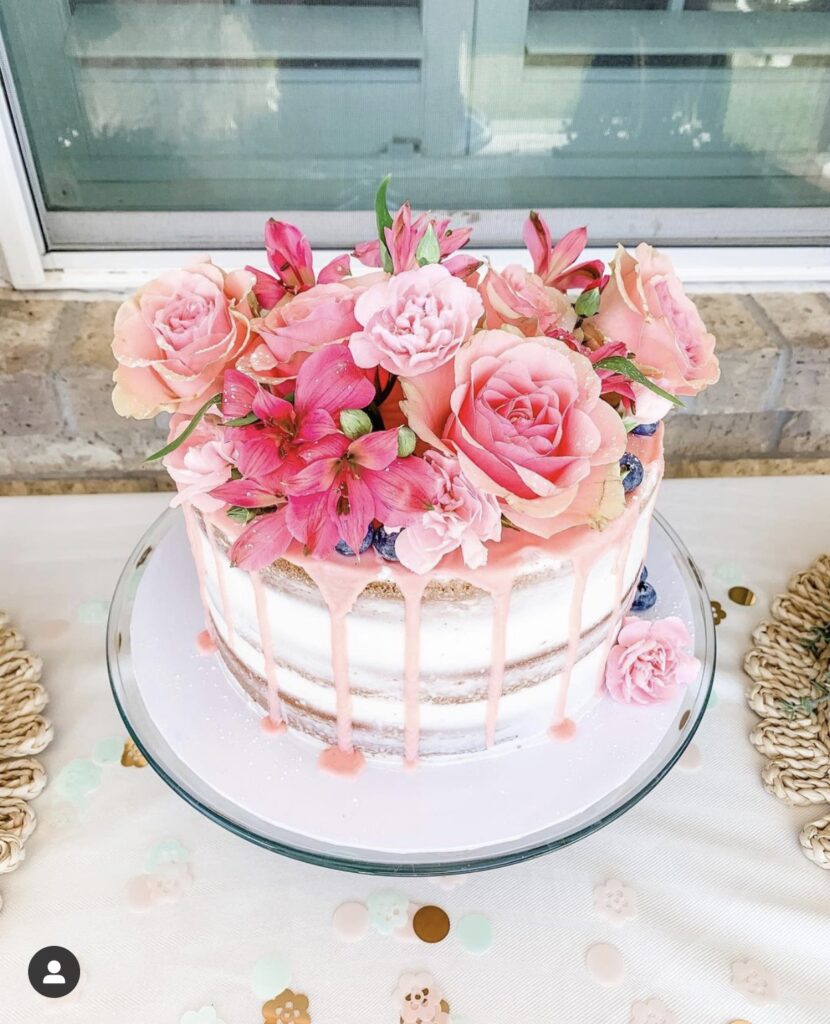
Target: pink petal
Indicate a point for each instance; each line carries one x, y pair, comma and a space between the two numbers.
567, 250
461, 266
262, 542
336, 270
238, 393
313, 522
537, 239
368, 253
315, 477
271, 407
361, 511
245, 493
403, 491
329, 380
267, 289
375, 451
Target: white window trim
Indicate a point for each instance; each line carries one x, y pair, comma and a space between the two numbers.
30, 266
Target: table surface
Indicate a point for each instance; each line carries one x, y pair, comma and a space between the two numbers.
710, 862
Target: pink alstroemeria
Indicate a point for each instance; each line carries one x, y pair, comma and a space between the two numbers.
262, 542
404, 237
269, 452
611, 382
290, 257
556, 264
346, 484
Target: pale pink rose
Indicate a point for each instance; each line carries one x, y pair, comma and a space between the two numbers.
461, 516
644, 306
650, 661
175, 337
415, 321
516, 298
419, 1000
525, 418
318, 316
648, 407
201, 464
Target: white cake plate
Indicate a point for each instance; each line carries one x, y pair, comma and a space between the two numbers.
205, 740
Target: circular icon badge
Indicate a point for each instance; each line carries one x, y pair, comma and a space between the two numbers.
54, 972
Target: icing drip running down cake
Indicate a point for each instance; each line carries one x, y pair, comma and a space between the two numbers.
418, 496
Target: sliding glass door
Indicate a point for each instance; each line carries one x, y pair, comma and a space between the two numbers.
153, 123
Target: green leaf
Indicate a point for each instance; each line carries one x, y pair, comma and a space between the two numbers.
355, 423
588, 303
241, 515
406, 441
188, 430
383, 219
242, 421
428, 251
619, 364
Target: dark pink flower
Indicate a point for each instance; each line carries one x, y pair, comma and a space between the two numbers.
556, 264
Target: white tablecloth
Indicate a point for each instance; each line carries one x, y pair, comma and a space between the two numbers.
712, 861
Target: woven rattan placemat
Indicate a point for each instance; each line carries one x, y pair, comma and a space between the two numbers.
23, 733
790, 668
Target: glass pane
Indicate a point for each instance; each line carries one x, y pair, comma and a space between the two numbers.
204, 105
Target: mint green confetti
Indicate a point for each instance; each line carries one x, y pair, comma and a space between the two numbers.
388, 910
108, 751
270, 976
207, 1015
93, 612
475, 933
168, 851
78, 780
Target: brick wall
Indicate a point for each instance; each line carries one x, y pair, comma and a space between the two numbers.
769, 411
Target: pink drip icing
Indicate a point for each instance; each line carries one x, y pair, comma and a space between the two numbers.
267, 645
581, 568
270, 727
498, 651
413, 592
620, 564
205, 644
564, 731
341, 762
193, 531
223, 584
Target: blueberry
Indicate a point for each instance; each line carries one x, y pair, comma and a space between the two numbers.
645, 598
645, 429
342, 548
385, 544
632, 470
644, 575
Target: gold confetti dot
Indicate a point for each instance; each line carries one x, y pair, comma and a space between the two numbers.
741, 595
431, 924
132, 756
684, 718
718, 613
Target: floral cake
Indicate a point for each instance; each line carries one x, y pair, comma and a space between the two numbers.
418, 488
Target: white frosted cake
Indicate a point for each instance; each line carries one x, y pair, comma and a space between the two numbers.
419, 499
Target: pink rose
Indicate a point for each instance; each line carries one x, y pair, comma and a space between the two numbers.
461, 516
306, 322
199, 465
644, 305
525, 418
415, 321
650, 661
516, 298
174, 338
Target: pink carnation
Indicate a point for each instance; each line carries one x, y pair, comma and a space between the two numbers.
201, 464
462, 516
415, 321
650, 661
175, 337
644, 306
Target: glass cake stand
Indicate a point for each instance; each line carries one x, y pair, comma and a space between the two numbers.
203, 738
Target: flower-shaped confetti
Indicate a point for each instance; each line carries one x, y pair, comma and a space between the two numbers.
615, 901
718, 612
287, 1008
78, 780
207, 1015
167, 884
419, 1000
132, 757
168, 851
652, 1011
754, 981
388, 910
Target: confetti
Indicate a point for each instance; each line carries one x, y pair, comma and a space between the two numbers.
718, 614
690, 760
351, 921
388, 910
207, 1015
132, 757
604, 963
419, 1000
270, 975
431, 924
93, 612
741, 595
475, 933
106, 752
615, 901
651, 1012
52, 629
754, 982
78, 780
729, 573
287, 1008
168, 851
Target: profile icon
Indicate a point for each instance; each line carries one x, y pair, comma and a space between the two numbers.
54, 977
54, 972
